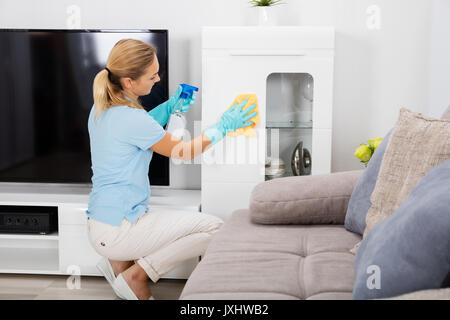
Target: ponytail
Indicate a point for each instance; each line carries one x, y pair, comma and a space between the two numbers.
128, 58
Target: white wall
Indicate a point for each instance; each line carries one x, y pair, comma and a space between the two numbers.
376, 71
439, 81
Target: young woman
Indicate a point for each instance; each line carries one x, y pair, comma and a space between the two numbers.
138, 242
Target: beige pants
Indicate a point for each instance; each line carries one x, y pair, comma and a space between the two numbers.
160, 240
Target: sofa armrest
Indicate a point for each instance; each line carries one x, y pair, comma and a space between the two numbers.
315, 199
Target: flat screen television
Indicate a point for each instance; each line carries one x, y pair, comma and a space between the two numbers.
46, 79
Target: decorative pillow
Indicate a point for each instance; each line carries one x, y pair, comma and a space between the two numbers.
418, 143
432, 294
359, 203
409, 250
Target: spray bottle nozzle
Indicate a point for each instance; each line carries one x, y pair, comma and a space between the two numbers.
177, 121
187, 91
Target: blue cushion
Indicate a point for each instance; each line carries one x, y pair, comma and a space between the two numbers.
359, 203
411, 247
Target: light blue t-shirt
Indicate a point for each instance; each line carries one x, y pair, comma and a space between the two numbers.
120, 154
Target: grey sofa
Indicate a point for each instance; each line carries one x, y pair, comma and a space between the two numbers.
289, 244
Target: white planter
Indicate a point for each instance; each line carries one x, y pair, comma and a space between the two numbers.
267, 16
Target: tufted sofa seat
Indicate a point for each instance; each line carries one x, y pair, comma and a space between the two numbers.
248, 261
290, 244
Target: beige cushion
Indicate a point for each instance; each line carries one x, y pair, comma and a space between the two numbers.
418, 143
315, 199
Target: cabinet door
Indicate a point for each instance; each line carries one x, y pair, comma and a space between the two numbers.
75, 250
224, 77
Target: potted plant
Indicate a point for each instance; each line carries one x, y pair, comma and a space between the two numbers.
365, 151
266, 16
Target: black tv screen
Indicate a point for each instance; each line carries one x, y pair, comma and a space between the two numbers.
46, 79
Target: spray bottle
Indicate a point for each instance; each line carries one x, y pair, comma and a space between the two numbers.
177, 120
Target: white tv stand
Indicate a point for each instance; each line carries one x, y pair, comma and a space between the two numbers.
68, 251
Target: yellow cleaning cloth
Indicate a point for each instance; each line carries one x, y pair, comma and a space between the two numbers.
247, 131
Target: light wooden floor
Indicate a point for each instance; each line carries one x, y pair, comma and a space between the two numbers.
55, 287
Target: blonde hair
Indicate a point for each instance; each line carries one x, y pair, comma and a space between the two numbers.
128, 58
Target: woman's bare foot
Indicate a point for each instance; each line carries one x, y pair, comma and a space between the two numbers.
120, 266
137, 279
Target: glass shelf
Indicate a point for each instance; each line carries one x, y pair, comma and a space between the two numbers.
289, 125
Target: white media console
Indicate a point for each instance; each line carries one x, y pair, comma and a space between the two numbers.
68, 251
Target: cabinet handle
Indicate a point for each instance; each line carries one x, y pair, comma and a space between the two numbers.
267, 53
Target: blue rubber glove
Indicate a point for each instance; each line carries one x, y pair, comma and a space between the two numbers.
231, 120
162, 112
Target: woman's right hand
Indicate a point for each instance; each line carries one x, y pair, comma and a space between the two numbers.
231, 120
235, 118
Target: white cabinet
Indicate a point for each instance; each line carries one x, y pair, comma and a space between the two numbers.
258, 60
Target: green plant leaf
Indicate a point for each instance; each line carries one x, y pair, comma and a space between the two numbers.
264, 3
